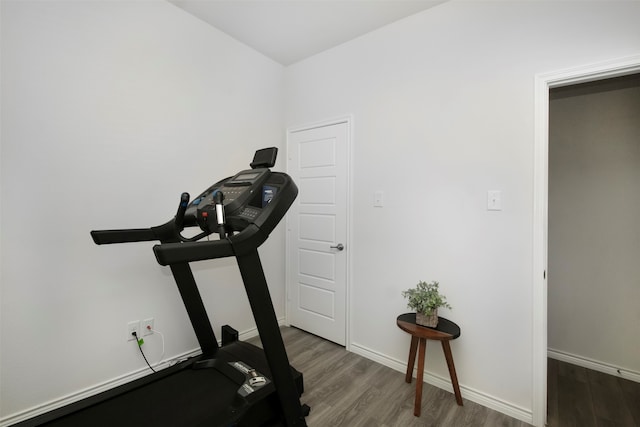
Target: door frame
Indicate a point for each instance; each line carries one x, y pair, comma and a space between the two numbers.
348, 119
543, 83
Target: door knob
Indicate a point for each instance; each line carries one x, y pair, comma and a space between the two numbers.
339, 246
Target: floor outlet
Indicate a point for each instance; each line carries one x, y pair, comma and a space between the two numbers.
147, 326
131, 328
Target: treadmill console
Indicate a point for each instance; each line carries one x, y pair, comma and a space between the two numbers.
245, 196
241, 195
242, 209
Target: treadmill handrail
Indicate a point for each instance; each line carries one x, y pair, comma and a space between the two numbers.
175, 253
165, 233
106, 237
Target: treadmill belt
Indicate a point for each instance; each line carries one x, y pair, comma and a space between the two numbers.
186, 398
181, 396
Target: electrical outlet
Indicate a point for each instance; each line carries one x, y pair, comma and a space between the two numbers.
147, 326
131, 328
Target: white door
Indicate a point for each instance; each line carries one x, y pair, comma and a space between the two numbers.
317, 246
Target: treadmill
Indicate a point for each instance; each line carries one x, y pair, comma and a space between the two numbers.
236, 384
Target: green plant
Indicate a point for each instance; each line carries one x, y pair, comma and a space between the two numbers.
425, 297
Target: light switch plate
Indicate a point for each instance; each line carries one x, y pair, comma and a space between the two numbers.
494, 200
378, 199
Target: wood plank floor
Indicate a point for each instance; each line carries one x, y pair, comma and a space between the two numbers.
584, 398
344, 389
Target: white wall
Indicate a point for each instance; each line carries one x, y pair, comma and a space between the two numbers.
443, 107
443, 103
594, 206
110, 110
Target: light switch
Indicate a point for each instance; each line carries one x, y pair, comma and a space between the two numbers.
378, 199
494, 200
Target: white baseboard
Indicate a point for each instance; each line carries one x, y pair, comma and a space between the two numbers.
468, 393
108, 385
253, 332
594, 365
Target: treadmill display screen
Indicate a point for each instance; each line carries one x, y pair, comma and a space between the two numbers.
246, 177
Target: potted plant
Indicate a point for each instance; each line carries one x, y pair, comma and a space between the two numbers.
425, 299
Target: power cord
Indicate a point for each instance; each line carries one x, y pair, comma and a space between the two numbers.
140, 342
162, 337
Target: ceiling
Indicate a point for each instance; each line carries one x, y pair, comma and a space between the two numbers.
289, 31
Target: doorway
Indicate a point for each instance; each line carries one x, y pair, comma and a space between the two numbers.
318, 245
543, 84
594, 206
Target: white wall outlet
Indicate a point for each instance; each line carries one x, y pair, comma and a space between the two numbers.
132, 327
147, 326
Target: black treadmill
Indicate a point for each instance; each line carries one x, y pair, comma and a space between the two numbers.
236, 384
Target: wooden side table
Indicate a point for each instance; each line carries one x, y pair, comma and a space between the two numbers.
444, 332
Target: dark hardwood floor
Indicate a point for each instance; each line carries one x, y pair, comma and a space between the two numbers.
581, 397
344, 389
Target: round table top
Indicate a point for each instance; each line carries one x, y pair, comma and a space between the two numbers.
446, 329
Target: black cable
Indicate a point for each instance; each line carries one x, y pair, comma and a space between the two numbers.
142, 352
